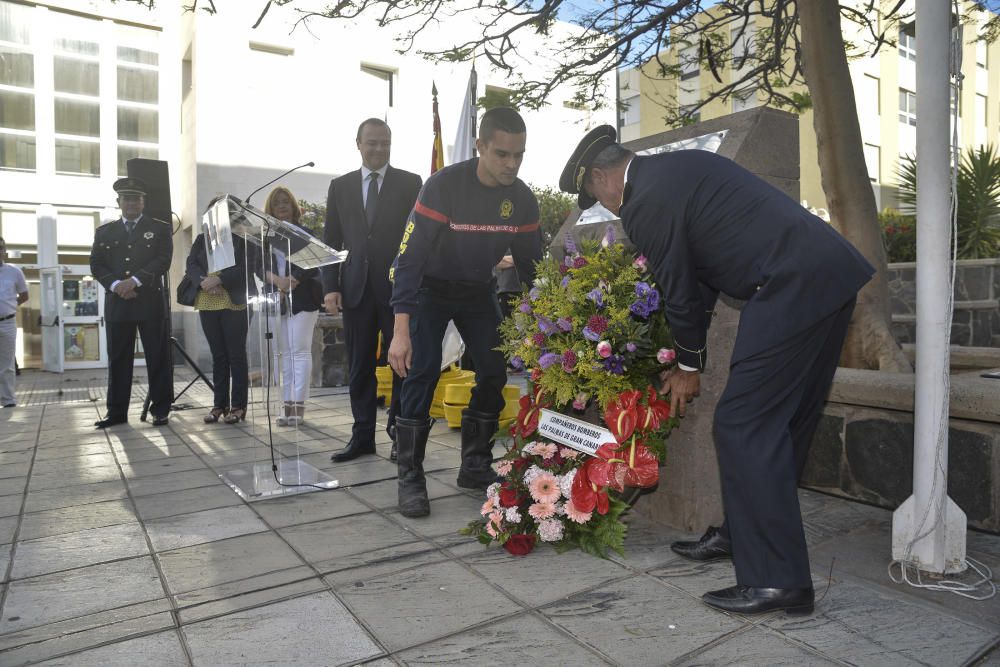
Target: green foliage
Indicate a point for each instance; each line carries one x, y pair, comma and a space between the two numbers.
553, 208
313, 217
899, 235
978, 190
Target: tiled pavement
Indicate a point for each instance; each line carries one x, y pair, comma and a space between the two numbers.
125, 548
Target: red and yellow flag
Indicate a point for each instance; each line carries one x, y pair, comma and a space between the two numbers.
437, 153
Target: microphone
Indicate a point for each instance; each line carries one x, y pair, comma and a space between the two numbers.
307, 164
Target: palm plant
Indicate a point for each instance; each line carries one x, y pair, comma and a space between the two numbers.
978, 189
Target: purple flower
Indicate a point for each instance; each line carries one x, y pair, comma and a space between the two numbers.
548, 359
653, 299
615, 364
609, 237
642, 289
630, 346
564, 281
597, 296
591, 335
639, 309
579, 262
564, 324
517, 363
525, 307
534, 293
569, 360
545, 325
570, 245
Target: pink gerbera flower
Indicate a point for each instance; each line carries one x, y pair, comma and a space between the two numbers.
542, 511
575, 515
544, 488
504, 467
492, 521
544, 449
487, 507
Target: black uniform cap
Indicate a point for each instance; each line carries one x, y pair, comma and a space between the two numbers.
130, 186
575, 170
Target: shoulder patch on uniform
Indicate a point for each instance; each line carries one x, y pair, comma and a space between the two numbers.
506, 209
162, 222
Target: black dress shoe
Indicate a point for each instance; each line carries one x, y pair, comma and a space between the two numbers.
751, 600
712, 546
353, 451
110, 421
161, 421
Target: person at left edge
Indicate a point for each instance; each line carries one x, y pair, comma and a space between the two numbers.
130, 258
13, 292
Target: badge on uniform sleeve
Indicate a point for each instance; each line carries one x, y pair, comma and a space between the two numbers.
506, 208
148, 235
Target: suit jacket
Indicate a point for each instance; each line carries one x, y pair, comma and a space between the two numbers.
371, 251
146, 254
237, 279
708, 226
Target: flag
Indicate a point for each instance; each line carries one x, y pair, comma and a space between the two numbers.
437, 153
465, 139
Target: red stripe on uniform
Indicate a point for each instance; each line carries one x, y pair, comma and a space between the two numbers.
429, 213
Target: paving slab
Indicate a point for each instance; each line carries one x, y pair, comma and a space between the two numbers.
428, 602
185, 501
223, 561
334, 538
354, 569
199, 527
176, 481
385, 494
448, 516
11, 505
72, 519
526, 639
79, 549
308, 507
64, 595
162, 649
38, 501
8, 526
215, 601
630, 620
167, 464
58, 479
307, 630
756, 646
89, 449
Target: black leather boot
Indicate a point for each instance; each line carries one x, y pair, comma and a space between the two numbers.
478, 429
391, 430
411, 441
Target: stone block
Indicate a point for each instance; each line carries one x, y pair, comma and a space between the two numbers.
879, 459
972, 477
973, 283
824, 465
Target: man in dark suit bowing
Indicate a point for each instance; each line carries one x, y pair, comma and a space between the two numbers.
366, 211
708, 226
130, 258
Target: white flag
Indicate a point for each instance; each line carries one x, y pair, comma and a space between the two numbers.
465, 139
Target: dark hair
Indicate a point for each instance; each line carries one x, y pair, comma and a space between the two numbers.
610, 157
377, 122
503, 119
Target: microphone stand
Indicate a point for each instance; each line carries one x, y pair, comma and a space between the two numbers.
307, 164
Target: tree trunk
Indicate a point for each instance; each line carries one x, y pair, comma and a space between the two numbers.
845, 181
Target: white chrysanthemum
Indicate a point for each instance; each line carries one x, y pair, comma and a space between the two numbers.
531, 473
566, 482
513, 515
560, 510
492, 490
550, 530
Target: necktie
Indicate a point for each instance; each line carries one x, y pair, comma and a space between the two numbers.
371, 202
130, 226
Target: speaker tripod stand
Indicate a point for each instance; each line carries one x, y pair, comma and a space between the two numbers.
194, 366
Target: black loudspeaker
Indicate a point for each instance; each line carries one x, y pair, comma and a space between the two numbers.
157, 178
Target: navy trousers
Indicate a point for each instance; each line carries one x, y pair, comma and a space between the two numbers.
226, 333
155, 336
477, 318
362, 326
764, 424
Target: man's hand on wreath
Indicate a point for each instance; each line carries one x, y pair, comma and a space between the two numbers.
682, 386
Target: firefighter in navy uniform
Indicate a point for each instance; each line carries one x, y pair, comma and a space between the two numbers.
130, 258
466, 217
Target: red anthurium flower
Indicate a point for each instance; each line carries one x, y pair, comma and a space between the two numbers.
588, 496
654, 413
509, 496
622, 415
641, 467
527, 418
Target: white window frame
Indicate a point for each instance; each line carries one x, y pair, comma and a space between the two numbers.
908, 107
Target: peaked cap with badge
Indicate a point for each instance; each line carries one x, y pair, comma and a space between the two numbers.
575, 171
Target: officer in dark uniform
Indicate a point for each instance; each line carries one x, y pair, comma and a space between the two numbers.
130, 258
708, 226
466, 217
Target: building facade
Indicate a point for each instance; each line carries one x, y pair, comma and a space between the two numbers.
87, 84
884, 90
